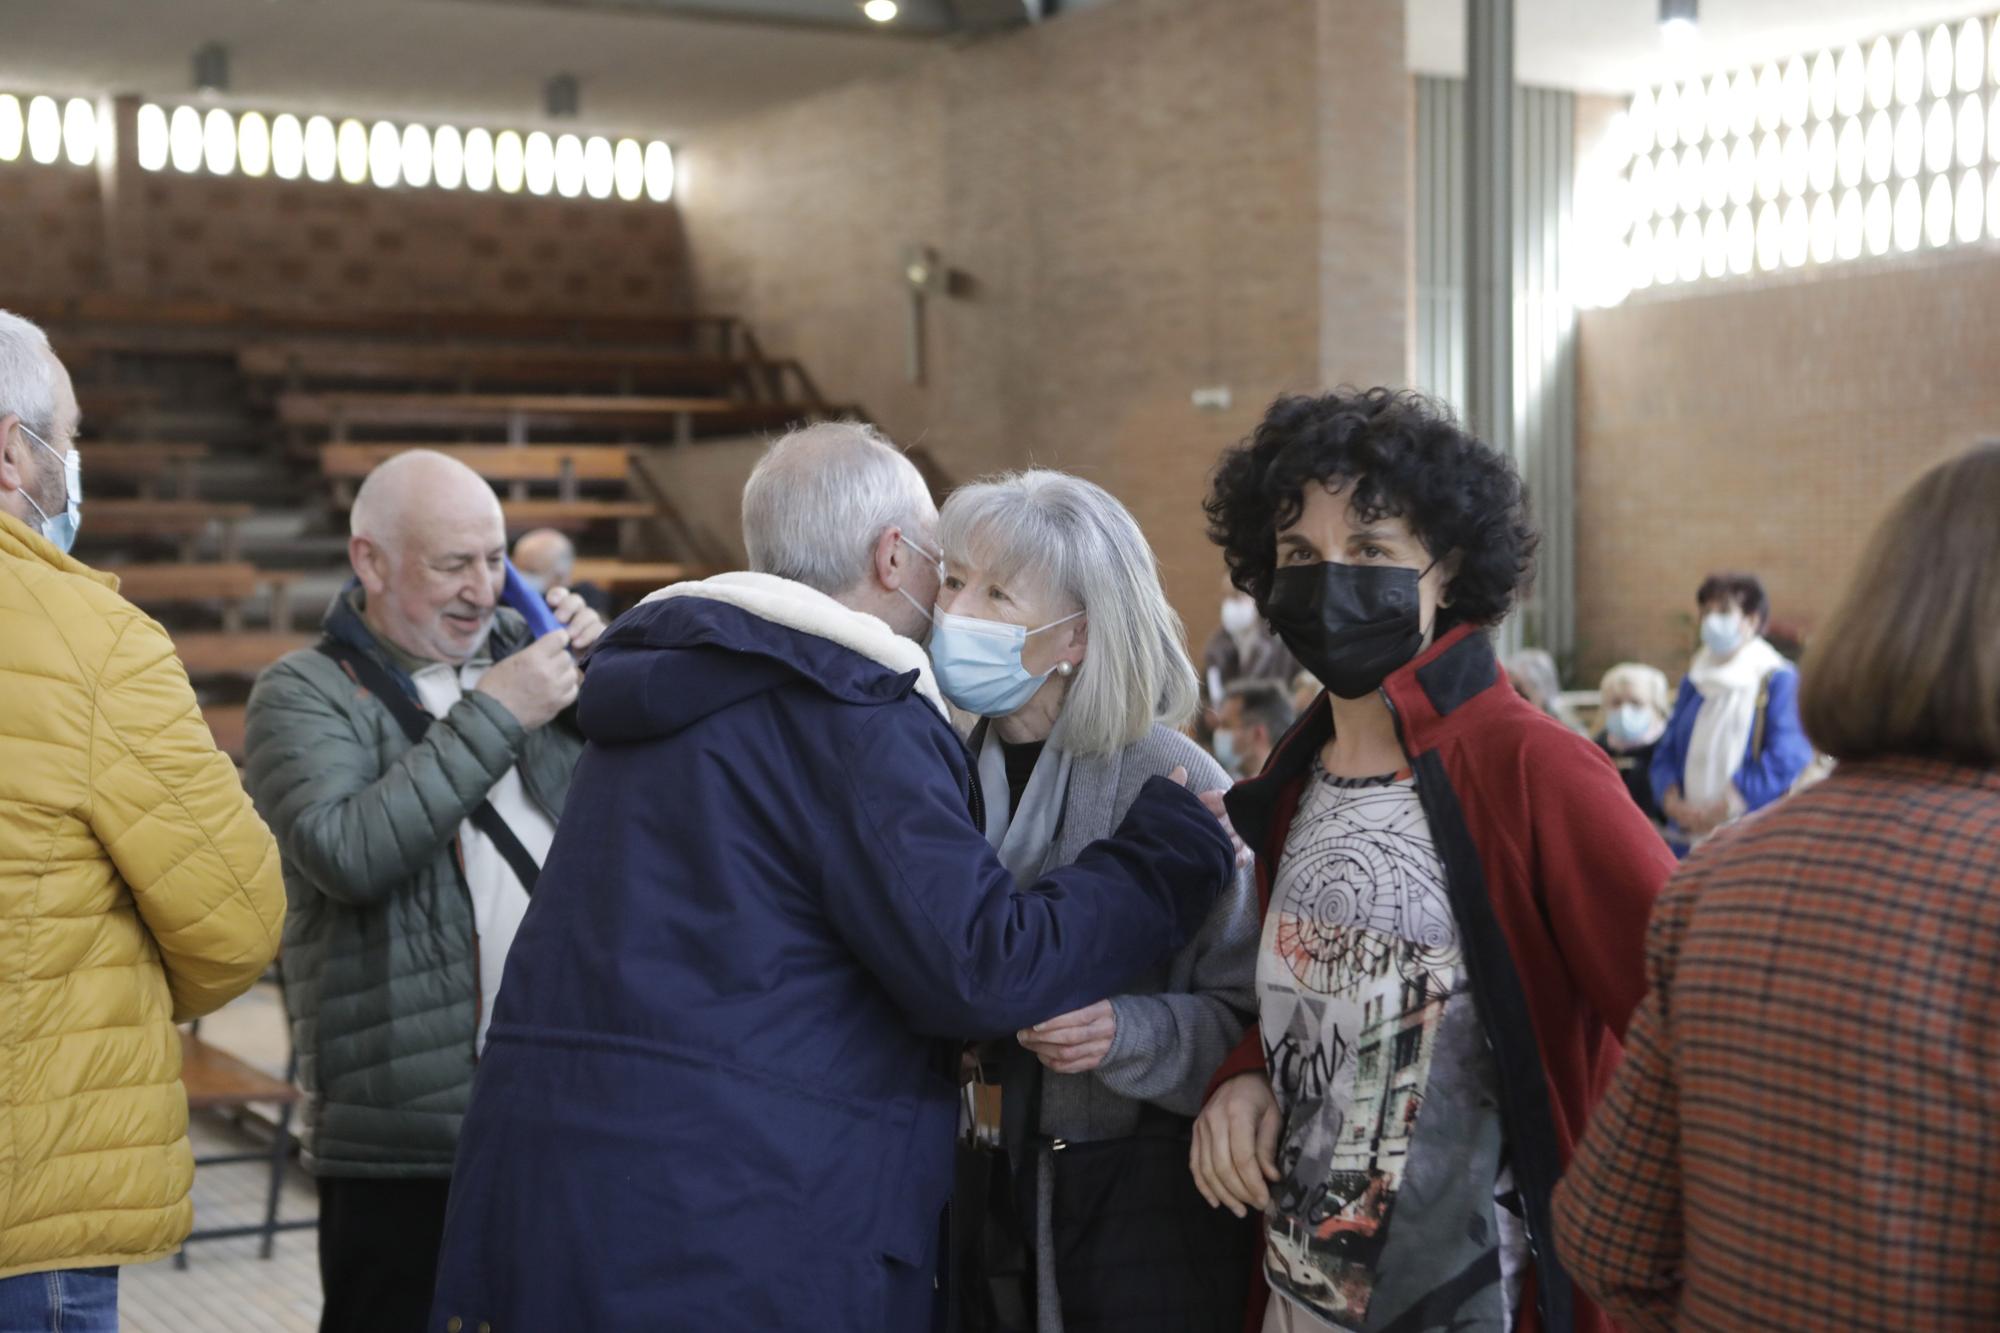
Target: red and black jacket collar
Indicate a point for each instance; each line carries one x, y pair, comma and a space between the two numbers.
1432, 696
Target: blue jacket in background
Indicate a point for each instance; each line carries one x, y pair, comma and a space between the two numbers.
1766, 775
720, 1090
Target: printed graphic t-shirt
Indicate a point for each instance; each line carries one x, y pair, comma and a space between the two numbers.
1394, 1208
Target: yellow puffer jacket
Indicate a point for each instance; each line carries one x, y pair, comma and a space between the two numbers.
137, 887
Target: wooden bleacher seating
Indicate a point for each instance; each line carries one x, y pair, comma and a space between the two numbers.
514, 465
225, 722
389, 378
116, 400
212, 654
622, 576
147, 464
217, 1081
338, 413
566, 465
464, 365
571, 515
231, 584
186, 520
120, 323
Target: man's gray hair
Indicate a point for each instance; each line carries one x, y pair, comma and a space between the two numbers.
1073, 538
27, 374
821, 498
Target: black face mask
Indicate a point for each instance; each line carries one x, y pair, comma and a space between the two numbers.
1350, 625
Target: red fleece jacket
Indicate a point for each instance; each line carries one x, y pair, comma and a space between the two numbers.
1552, 872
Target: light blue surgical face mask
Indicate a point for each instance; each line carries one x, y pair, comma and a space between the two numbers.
1227, 754
978, 663
61, 528
1723, 633
1629, 724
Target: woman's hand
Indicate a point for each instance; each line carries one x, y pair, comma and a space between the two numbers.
1213, 801
1704, 820
1234, 1156
1074, 1043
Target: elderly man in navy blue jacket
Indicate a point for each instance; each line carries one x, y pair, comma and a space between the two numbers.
720, 1087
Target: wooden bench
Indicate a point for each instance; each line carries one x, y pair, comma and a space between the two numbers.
112, 400
620, 576
229, 583
147, 324
144, 463
466, 366
210, 654
571, 515
566, 465
217, 1081
339, 412
225, 723
187, 520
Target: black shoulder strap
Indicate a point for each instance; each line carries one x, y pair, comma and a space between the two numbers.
371, 676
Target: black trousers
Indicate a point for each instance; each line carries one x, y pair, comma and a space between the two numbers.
1137, 1249
378, 1253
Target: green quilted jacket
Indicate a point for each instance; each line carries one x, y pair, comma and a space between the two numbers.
380, 960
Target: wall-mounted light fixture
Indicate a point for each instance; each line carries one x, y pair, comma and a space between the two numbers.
211, 68
1678, 20
882, 11
924, 277
562, 97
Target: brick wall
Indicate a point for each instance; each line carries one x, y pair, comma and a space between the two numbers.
285, 245
1766, 425
1143, 199
50, 231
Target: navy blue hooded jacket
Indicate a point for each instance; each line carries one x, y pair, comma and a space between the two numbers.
720, 1087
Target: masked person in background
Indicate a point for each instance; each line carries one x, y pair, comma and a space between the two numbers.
1242, 648
1734, 743
1255, 713
1634, 699
1456, 892
1053, 630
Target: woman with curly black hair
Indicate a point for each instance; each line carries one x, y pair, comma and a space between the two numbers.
1456, 889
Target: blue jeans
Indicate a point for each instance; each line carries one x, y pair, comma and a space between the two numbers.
67, 1300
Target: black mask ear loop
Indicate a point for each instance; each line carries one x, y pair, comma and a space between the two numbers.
1420, 596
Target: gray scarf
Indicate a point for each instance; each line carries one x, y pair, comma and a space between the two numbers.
1025, 840
1026, 843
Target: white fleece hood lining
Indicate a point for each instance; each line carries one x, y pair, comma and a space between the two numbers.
809, 611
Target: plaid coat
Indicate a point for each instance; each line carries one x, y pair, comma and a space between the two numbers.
1805, 1133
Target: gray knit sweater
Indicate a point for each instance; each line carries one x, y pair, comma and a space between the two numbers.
1174, 1026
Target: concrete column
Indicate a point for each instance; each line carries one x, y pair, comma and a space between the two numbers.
121, 192
1489, 261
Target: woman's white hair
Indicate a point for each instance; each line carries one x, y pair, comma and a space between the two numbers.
1074, 539
27, 374
822, 496
1648, 684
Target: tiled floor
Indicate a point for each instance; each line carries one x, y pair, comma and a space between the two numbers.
226, 1288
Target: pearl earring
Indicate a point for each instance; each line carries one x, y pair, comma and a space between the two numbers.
1064, 669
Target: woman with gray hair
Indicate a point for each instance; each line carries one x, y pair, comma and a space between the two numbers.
1053, 633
